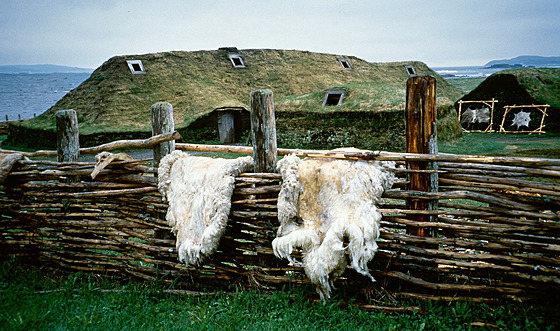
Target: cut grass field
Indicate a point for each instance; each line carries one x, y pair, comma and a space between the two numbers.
33, 299
477, 143
466, 85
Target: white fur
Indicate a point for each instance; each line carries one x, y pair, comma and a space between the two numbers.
324, 203
199, 191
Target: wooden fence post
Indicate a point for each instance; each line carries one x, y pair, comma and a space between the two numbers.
67, 136
162, 122
421, 137
263, 131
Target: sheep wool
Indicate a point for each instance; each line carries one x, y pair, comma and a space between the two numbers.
325, 203
198, 190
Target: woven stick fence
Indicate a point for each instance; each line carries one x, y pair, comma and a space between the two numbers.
492, 235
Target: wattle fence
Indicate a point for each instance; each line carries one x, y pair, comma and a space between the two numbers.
484, 228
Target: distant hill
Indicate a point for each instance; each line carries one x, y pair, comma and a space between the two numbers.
41, 69
527, 61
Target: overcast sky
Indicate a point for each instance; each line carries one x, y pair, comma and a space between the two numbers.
437, 32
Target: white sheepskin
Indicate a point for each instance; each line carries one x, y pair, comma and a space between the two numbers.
327, 207
103, 159
199, 191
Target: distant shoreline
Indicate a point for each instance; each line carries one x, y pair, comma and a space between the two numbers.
42, 69
25, 95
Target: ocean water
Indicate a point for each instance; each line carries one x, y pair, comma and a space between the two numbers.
465, 72
28, 95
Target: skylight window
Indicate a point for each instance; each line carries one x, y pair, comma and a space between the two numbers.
236, 60
345, 64
333, 97
410, 70
136, 67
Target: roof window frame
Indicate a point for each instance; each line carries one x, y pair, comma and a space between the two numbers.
333, 92
410, 70
236, 58
136, 67
345, 63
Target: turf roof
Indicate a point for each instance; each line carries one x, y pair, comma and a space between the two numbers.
112, 99
527, 86
521, 86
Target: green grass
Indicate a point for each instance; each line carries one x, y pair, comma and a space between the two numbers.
32, 299
475, 143
466, 85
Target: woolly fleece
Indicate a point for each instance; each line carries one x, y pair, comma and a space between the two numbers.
324, 203
199, 191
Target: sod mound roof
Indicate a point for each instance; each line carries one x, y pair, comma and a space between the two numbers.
527, 86
114, 100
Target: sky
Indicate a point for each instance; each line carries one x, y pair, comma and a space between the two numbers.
437, 32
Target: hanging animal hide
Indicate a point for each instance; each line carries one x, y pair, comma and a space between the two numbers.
473, 116
199, 191
7, 162
103, 159
326, 207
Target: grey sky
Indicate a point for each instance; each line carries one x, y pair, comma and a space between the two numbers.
437, 32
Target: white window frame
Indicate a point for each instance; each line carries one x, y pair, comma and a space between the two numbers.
332, 91
233, 57
410, 70
343, 62
131, 64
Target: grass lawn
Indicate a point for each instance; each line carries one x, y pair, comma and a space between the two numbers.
466, 85
32, 299
477, 143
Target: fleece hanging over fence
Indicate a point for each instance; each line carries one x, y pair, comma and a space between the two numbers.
103, 159
325, 203
7, 161
199, 191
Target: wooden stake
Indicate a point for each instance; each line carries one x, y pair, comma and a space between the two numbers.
263, 130
162, 122
421, 137
67, 136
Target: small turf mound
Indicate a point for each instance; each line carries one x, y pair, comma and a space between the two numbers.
522, 87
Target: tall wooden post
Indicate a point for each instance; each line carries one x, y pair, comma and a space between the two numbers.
421, 137
67, 136
162, 122
263, 130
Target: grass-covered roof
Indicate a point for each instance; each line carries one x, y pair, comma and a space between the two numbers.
527, 86
195, 83
520, 87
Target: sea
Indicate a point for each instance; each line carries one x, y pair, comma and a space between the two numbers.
465, 72
26, 95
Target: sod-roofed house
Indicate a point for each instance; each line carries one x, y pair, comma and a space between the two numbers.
320, 99
516, 100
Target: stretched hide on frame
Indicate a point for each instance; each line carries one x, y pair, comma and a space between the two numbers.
199, 191
325, 203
